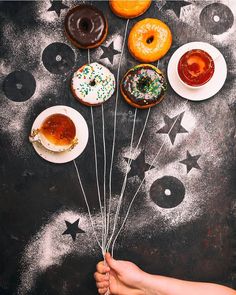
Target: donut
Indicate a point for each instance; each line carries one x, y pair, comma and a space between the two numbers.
129, 9
149, 40
143, 86
93, 84
86, 26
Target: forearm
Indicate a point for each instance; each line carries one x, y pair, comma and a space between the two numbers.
159, 285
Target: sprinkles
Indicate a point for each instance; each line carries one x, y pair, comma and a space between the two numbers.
144, 85
93, 84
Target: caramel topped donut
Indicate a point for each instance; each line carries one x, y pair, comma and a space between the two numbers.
143, 86
86, 26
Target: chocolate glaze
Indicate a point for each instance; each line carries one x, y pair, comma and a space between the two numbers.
144, 85
85, 25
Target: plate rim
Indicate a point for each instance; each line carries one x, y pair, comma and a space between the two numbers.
66, 156
201, 93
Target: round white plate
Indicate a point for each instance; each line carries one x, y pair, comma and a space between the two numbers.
81, 133
211, 87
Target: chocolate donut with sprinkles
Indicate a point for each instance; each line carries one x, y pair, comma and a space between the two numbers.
86, 26
93, 84
143, 86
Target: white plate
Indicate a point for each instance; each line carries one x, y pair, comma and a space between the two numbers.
211, 87
81, 133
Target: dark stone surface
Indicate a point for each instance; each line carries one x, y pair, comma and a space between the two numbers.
33, 191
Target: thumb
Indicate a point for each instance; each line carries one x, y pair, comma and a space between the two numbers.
112, 263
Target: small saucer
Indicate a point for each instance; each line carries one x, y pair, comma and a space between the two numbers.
81, 133
211, 87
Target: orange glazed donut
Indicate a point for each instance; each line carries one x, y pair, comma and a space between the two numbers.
149, 40
129, 8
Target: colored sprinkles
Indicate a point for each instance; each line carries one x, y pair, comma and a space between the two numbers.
93, 83
144, 84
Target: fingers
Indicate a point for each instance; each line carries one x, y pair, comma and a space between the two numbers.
100, 277
102, 269
102, 282
102, 290
112, 263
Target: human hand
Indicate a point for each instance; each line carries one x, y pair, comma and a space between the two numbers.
119, 277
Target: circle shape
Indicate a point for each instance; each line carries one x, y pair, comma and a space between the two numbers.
81, 134
167, 192
216, 18
93, 84
86, 26
210, 88
143, 86
171, 184
58, 58
19, 85
195, 68
149, 40
129, 9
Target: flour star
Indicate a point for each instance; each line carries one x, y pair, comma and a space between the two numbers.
176, 6
57, 6
109, 52
138, 166
73, 229
191, 162
173, 127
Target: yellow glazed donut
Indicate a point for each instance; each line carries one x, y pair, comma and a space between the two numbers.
129, 8
149, 40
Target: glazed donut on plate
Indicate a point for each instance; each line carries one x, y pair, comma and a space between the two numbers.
86, 26
143, 86
93, 84
149, 40
130, 8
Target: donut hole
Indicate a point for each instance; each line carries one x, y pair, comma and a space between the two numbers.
144, 84
19, 86
216, 18
167, 192
58, 57
92, 83
150, 39
85, 25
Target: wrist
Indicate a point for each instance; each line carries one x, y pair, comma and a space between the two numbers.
149, 285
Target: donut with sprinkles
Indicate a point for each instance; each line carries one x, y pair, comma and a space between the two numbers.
93, 84
143, 86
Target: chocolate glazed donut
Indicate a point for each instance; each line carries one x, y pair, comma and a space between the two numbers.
143, 86
86, 26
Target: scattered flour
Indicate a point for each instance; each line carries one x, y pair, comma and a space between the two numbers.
117, 40
48, 247
24, 54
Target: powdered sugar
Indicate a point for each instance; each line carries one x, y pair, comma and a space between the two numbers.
24, 54
117, 40
48, 247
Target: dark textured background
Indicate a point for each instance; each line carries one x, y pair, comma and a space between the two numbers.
194, 240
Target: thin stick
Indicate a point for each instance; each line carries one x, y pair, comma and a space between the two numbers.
131, 203
86, 202
89, 61
96, 168
96, 173
104, 177
115, 118
130, 160
123, 185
